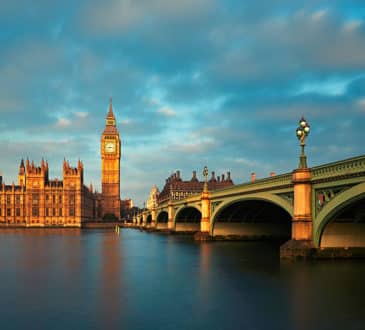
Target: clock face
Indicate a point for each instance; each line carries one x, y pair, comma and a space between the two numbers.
109, 147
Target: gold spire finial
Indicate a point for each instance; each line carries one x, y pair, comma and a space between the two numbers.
110, 113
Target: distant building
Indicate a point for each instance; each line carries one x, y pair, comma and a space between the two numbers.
126, 204
126, 207
38, 201
175, 188
152, 198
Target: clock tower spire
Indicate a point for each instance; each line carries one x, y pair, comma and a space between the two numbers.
110, 150
110, 118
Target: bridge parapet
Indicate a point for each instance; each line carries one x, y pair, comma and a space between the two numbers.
270, 183
347, 167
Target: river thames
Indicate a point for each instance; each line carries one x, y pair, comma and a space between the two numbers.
95, 279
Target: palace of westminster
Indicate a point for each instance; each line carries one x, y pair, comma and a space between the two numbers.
38, 201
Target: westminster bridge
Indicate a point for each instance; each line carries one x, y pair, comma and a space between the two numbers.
322, 205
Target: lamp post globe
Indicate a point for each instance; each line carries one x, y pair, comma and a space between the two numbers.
302, 132
205, 174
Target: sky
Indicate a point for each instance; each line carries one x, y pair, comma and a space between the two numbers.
220, 83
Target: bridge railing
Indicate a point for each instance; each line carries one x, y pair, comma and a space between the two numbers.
347, 167
340, 168
270, 182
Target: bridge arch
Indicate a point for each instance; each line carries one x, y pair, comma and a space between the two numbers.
162, 220
140, 220
149, 219
187, 219
162, 217
333, 209
256, 216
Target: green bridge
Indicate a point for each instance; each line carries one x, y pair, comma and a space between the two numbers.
322, 205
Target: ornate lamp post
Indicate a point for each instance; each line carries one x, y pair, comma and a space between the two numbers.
205, 211
205, 174
302, 132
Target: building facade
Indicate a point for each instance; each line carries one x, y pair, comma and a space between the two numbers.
37, 201
176, 188
152, 200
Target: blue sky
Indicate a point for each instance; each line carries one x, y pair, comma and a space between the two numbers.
194, 83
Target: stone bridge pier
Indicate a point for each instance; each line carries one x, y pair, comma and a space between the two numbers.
301, 243
170, 223
302, 220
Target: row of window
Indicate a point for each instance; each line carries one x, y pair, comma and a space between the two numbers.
18, 199
46, 222
54, 197
35, 199
35, 212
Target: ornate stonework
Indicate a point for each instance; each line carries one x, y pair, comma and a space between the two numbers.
175, 188
110, 150
38, 201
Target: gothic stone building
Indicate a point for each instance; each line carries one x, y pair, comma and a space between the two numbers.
38, 201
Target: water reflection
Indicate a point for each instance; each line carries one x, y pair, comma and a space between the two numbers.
326, 294
72, 279
110, 288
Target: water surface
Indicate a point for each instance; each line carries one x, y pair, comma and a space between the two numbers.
94, 279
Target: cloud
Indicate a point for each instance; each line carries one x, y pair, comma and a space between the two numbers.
63, 122
352, 25
81, 114
166, 111
319, 15
331, 86
118, 17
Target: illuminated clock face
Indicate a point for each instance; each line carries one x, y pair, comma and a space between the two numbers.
109, 147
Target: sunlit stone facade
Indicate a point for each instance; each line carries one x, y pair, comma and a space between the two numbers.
110, 151
152, 200
40, 202
176, 188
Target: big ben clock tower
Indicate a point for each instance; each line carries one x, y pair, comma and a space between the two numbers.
110, 167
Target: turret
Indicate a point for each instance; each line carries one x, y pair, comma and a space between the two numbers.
21, 175
22, 167
194, 178
80, 169
213, 179
36, 176
73, 175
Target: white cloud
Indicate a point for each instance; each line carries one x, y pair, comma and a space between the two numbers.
331, 87
81, 114
167, 111
352, 25
319, 15
120, 16
245, 162
63, 122
125, 122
